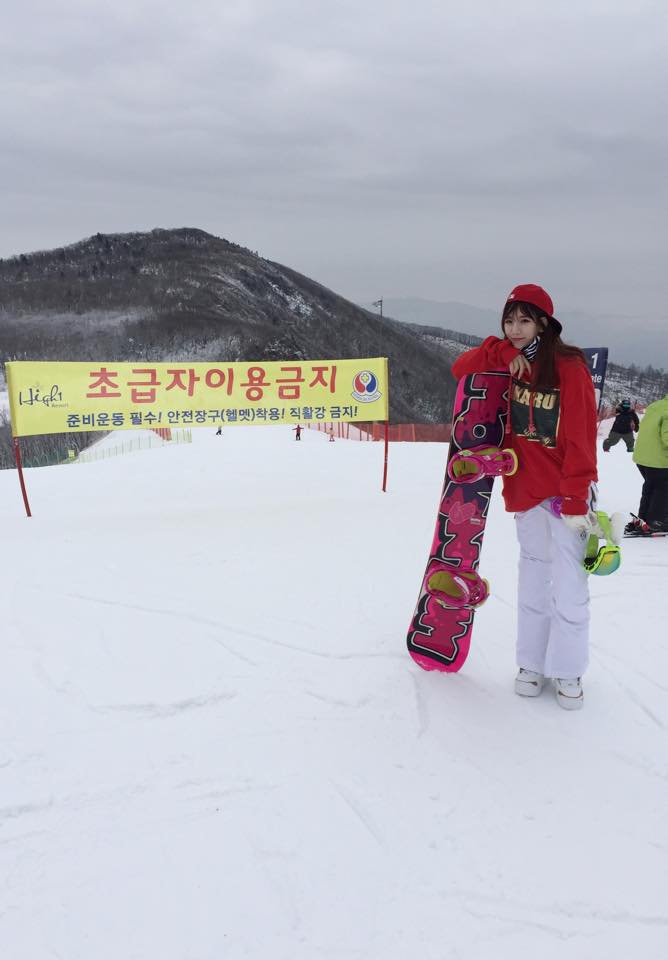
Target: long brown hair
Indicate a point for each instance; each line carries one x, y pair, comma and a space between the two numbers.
550, 344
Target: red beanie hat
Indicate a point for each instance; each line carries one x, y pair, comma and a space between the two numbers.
537, 297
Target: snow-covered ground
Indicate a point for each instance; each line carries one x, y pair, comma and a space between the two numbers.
213, 743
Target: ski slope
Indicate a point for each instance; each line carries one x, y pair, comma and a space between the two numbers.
213, 743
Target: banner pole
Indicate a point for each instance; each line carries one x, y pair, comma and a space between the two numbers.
19, 467
387, 444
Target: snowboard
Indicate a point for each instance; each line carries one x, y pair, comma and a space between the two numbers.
439, 638
646, 536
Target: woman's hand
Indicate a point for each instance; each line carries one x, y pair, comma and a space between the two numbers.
520, 366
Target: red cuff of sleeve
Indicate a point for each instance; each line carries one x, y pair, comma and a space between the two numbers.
574, 507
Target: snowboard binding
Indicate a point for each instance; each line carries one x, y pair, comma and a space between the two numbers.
640, 528
457, 588
467, 466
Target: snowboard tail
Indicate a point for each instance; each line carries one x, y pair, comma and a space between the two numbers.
439, 637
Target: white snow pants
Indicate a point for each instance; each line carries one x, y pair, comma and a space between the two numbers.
553, 596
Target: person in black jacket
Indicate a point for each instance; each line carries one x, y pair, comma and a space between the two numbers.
625, 425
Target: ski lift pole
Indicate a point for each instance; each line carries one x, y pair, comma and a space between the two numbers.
379, 304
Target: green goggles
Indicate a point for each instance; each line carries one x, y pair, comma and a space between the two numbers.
606, 559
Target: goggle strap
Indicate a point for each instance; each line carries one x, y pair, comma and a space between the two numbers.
592, 547
604, 524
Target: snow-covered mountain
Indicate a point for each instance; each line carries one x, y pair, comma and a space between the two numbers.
169, 294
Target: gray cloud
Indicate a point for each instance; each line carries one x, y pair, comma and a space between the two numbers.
421, 149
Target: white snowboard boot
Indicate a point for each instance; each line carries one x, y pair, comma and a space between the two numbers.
528, 683
569, 693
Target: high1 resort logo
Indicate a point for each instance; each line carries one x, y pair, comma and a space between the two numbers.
365, 387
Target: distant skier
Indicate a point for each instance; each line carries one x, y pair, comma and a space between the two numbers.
552, 429
298, 432
625, 425
219, 432
651, 458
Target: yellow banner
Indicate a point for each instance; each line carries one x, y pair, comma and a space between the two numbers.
68, 397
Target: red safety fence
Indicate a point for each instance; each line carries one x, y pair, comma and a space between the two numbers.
402, 432
408, 432
413, 432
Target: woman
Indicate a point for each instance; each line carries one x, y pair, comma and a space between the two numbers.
551, 425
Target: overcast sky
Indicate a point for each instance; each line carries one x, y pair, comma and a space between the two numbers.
445, 150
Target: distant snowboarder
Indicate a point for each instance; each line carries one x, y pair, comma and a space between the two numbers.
298, 432
625, 425
219, 432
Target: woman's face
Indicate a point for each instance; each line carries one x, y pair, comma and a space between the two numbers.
520, 328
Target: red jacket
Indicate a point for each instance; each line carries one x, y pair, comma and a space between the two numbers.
553, 432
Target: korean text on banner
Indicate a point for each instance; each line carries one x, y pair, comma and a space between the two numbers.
68, 397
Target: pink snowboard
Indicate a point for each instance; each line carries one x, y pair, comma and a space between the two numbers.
439, 638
